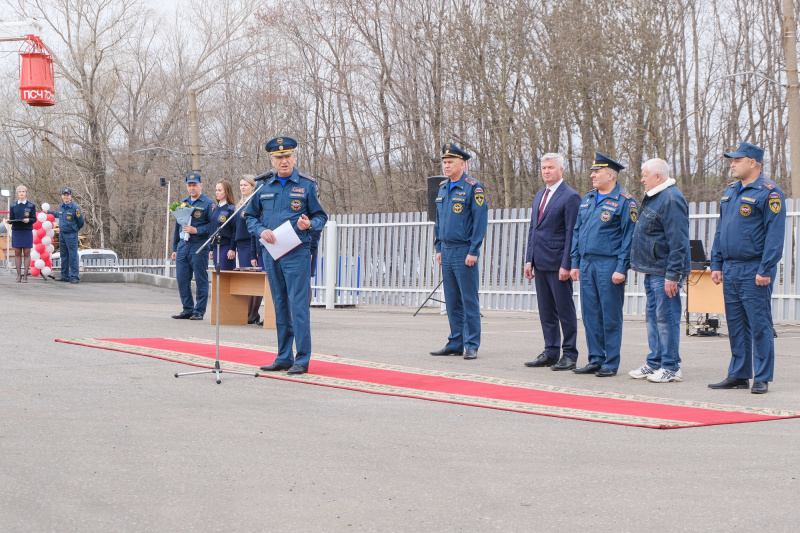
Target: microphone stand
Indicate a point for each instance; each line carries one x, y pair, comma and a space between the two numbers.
216, 236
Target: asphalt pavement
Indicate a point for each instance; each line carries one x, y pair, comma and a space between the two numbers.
96, 440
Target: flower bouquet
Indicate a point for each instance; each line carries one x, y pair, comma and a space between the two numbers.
183, 215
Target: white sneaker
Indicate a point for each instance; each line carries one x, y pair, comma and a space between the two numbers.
642, 373
663, 375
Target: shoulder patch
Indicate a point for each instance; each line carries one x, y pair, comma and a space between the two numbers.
471, 181
306, 176
625, 194
769, 185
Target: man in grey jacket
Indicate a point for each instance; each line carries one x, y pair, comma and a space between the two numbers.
660, 250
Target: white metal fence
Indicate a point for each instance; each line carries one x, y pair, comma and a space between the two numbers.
389, 259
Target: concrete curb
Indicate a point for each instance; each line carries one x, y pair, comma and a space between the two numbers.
130, 277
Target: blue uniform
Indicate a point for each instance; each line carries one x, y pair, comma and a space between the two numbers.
601, 245
70, 221
188, 261
462, 216
219, 216
22, 236
272, 205
749, 241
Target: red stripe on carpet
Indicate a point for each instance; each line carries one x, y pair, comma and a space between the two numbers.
463, 387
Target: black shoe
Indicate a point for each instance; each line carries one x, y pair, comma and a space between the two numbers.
471, 354
74, 281
182, 315
541, 360
759, 387
605, 372
448, 351
260, 322
255, 320
196, 316
591, 368
565, 363
731, 383
64, 279
297, 369
276, 366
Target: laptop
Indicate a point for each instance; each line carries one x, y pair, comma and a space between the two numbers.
698, 255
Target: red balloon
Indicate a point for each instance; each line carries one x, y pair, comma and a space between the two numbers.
48, 262
44, 256
51, 217
37, 225
41, 232
41, 248
35, 271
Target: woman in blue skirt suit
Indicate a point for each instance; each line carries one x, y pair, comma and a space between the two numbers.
226, 203
23, 215
247, 247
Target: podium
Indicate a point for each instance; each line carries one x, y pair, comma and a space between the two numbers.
703, 295
235, 289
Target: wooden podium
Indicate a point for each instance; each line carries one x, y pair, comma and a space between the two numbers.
703, 295
235, 289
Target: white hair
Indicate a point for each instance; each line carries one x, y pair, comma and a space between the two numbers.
21, 187
657, 166
558, 158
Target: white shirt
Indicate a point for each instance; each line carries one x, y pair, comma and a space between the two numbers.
552, 190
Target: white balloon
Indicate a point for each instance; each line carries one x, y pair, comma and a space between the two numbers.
50, 232
39, 264
47, 225
50, 249
45, 207
46, 271
34, 255
41, 217
46, 240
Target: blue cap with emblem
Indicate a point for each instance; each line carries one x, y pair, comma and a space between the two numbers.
66, 190
193, 177
603, 161
451, 150
281, 146
747, 150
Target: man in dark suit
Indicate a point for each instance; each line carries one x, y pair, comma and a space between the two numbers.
555, 209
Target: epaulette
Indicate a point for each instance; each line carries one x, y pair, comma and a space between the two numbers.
590, 191
625, 194
769, 185
443, 182
306, 176
731, 184
471, 181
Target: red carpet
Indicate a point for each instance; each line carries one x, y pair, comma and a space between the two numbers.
467, 389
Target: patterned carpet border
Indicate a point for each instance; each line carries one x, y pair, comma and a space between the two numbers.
375, 388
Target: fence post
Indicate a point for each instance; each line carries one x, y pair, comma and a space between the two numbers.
331, 263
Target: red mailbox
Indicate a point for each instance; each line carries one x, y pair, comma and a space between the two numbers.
36, 75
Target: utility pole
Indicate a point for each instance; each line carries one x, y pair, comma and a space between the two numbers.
792, 93
195, 136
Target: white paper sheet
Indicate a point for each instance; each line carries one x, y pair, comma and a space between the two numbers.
286, 240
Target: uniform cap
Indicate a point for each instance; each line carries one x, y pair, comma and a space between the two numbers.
66, 190
194, 177
451, 150
747, 150
603, 161
281, 146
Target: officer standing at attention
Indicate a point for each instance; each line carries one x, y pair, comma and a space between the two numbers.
461, 221
187, 261
291, 196
70, 221
747, 247
601, 246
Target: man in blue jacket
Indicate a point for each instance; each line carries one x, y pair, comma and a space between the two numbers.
660, 250
548, 263
184, 250
747, 247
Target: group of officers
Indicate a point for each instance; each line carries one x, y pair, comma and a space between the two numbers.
595, 240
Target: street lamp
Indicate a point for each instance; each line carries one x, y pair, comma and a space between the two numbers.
5, 193
166, 183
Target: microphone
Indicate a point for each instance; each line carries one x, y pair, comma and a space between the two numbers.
267, 175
